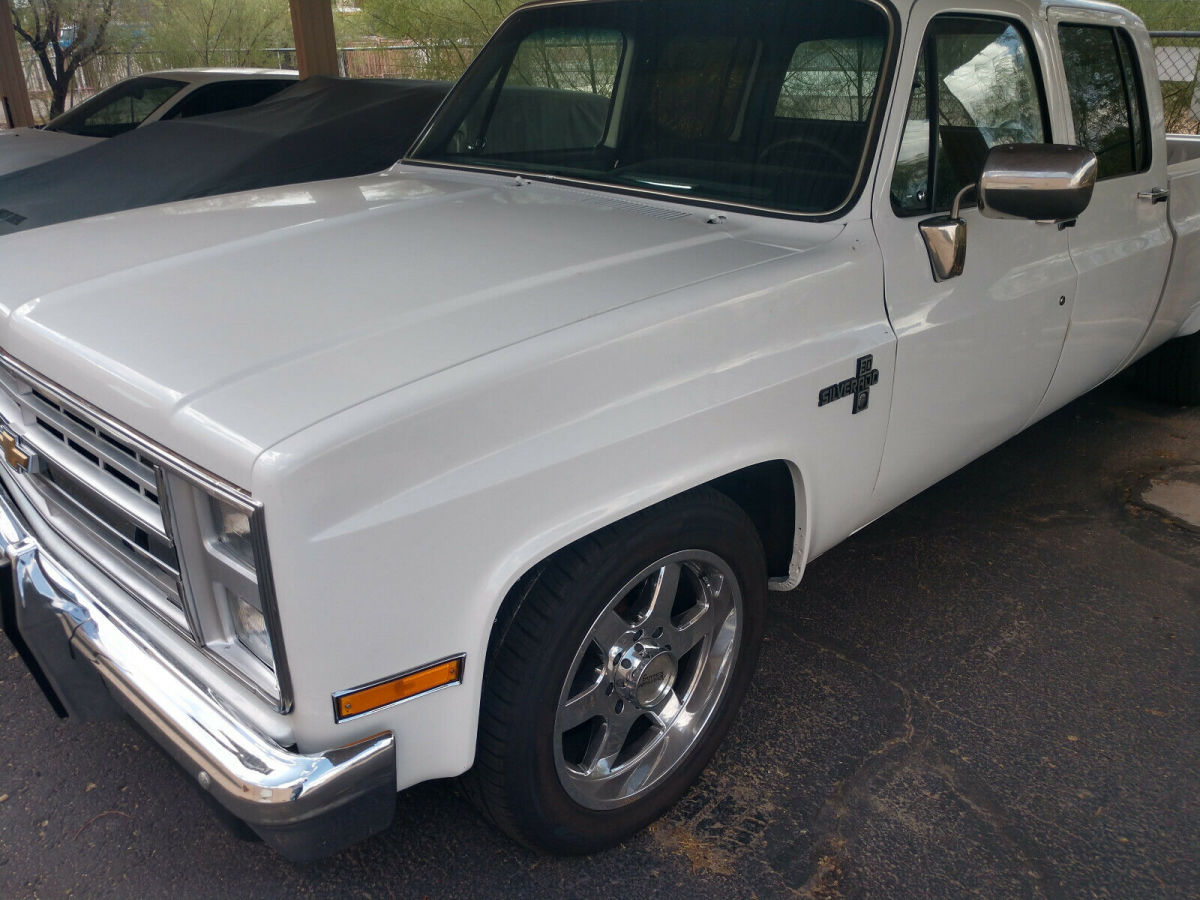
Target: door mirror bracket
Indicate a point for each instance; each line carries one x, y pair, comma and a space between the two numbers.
946, 240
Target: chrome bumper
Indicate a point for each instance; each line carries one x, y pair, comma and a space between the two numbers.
305, 806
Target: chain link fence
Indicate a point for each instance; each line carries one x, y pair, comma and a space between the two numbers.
1177, 56
406, 59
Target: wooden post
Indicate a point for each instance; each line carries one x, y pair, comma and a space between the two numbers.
14, 92
312, 29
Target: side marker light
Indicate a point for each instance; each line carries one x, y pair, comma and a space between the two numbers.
358, 701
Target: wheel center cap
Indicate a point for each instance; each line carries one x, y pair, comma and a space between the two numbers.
645, 674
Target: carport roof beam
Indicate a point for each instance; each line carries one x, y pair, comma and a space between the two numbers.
312, 29
14, 92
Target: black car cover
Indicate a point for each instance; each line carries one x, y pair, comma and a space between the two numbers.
320, 128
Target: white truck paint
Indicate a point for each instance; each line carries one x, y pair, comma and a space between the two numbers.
433, 379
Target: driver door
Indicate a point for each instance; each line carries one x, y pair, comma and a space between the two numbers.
975, 353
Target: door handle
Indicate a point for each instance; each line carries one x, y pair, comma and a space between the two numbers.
1154, 195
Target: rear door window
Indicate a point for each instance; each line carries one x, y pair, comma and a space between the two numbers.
1107, 97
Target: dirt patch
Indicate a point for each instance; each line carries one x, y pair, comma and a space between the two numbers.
1173, 494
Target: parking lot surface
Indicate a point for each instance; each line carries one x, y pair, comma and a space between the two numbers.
993, 691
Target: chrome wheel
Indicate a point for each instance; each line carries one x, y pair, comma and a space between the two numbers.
616, 668
647, 678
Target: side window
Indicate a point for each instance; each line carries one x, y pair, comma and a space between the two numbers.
831, 80
225, 95
976, 86
1107, 98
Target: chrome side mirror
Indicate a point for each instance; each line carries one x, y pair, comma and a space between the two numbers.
1044, 182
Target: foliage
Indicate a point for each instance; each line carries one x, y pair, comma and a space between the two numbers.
1181, 99
350, 26
62, 51
1167, 15
451, 31
217, 32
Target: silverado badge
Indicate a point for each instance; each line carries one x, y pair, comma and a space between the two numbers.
859, 386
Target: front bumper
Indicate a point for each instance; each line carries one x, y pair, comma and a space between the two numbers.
88, 660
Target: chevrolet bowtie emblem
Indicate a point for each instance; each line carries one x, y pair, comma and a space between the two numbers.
13, 455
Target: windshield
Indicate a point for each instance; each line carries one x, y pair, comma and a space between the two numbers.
121, 108
767, 104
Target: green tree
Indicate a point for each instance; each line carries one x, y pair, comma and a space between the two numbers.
451, 30
217, 32
64, 35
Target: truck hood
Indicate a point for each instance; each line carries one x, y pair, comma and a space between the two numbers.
223, 325
21, 148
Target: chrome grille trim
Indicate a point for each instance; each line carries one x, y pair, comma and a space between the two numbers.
93, 489
131, 469
156, 473
156, 567
158, 454
51, 434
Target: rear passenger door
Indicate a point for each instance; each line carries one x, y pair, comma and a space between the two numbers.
1121, 244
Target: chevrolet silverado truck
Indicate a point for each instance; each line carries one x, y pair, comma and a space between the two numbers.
485, 465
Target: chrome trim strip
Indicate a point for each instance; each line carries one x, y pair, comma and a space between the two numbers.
186, 600
266, 592
305, 805
238, 497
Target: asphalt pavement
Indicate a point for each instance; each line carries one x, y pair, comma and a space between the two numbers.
993, 691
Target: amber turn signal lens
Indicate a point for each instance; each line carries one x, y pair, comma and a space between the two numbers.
402, 687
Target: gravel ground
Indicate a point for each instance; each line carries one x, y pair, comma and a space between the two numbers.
993, 691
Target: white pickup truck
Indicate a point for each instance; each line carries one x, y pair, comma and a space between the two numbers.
485, 464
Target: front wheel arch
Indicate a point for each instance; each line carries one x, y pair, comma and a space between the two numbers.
543, 627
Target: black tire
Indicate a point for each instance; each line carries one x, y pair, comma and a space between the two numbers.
548, 784
1171, 374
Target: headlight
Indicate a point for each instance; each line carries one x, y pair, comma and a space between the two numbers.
232, 528
226, 583
250, 625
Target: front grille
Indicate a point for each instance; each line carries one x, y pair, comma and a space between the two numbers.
97, 491
117, 460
